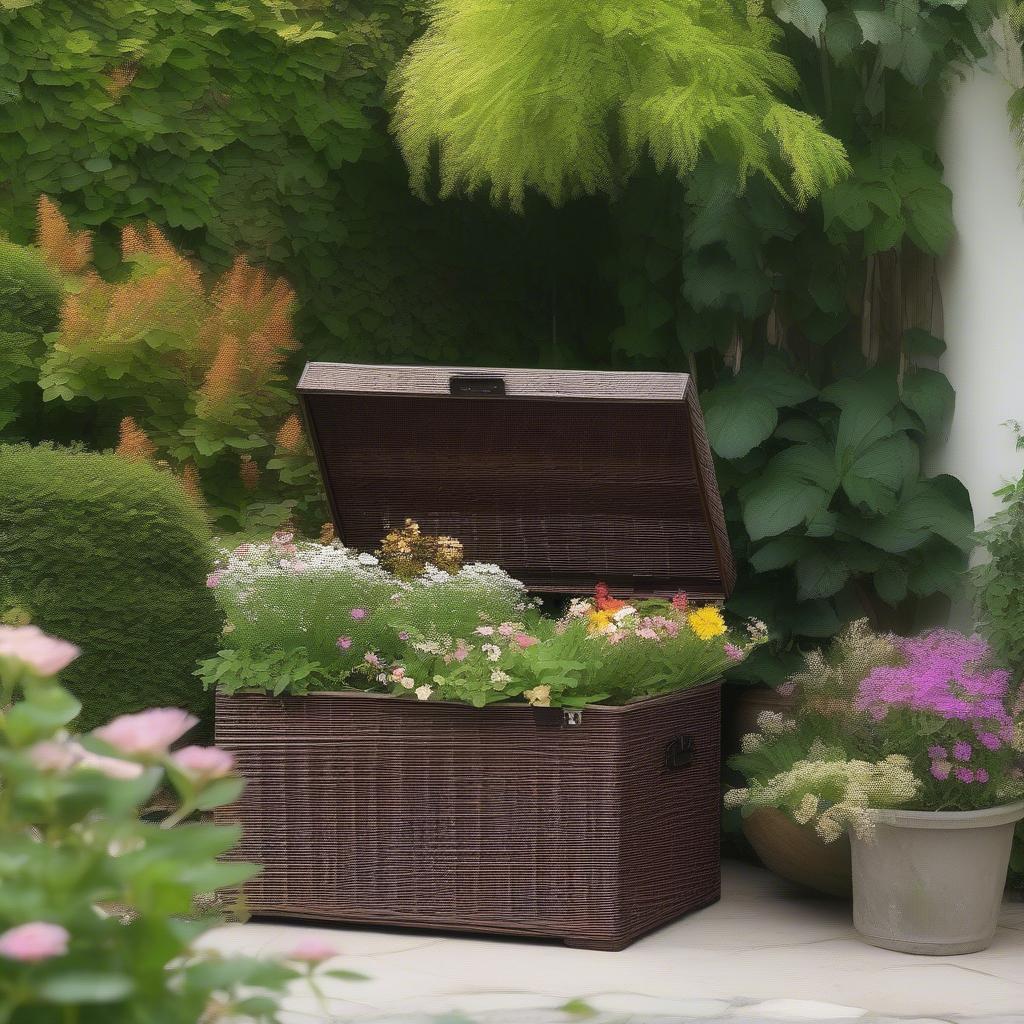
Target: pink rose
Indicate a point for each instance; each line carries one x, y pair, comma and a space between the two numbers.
204, 763
35, 941
312, 951
525, 641
44, 654
148, 733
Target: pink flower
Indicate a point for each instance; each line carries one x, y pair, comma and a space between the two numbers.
282, 537
506, 629
937, 753
981, 775
148, 733
404, 635
990, 740
213, 580
965, 775
344, 642
51, 756
680, 601
44, 654
112, 767
460, 653
358, 614
962, 750
525, 641
398, 673
241, 551
204, 763
733, 652
371, 659
312, 950
484, 631
940, 769
35, 941
787, 689
646, 633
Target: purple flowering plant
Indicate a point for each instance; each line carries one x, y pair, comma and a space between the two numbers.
945, 704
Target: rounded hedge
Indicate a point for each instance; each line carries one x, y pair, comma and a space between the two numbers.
110, 554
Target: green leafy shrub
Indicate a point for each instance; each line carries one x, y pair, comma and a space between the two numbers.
99, 908
30, 298
565, 97
112, 555
999, 581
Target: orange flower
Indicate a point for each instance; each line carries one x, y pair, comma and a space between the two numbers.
68, 251
222, 378
134, 443
249, 472
289, 437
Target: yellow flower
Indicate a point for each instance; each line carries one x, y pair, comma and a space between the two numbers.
539, 696
599, 622
706, 622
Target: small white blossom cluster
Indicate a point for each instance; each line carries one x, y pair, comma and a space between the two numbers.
772, 725
834, 796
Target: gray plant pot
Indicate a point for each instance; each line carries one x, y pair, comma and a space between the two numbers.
932, 882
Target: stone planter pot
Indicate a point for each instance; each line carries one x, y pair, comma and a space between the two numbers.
795, 852
932, 882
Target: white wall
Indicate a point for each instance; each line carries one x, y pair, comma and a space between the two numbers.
983, 291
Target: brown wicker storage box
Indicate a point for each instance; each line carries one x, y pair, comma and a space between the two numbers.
370, 809
592, 827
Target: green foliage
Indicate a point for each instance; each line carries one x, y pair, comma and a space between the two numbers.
999, 581
117, 894
566, 97
30, 298
111, 555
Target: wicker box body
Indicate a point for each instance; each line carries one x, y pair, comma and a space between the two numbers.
508, 819
364, 808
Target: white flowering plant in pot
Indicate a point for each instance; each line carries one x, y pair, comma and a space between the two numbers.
98, 905
913, 747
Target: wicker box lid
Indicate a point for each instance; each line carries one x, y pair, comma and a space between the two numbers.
562, 477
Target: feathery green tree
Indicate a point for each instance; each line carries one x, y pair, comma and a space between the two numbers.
567, 96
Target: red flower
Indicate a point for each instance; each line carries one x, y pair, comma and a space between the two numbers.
679, 602
604, 601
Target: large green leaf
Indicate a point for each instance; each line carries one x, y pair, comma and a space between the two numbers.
929, 394
778, 553
819, 574
795, 486
738, 421
875, 477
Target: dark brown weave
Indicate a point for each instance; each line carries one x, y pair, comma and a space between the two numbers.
569, 478
367, 808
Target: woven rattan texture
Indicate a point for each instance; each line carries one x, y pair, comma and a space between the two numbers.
560, 493
373, 809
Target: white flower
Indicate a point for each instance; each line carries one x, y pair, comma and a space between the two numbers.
499, 678
750, 742
408, 682
424, 692
493, 651
366, 559
624, 613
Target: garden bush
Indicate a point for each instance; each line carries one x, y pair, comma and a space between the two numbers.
112, 555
